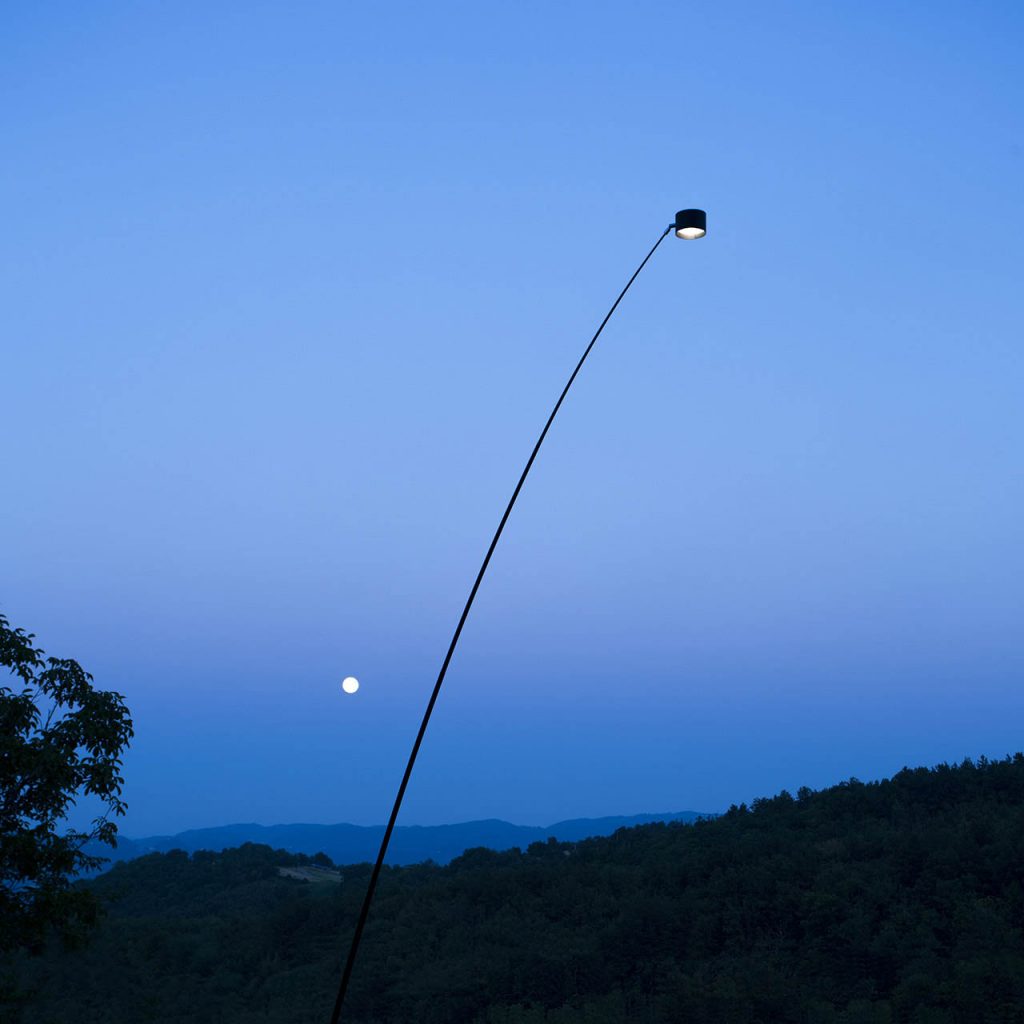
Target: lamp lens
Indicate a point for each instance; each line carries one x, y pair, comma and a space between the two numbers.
690, 233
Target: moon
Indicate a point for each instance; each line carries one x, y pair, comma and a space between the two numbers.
350, 684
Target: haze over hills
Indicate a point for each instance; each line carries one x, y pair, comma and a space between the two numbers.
410, 844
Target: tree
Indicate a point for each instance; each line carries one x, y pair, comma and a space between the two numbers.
60, 739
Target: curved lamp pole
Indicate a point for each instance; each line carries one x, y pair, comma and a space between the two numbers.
688, 224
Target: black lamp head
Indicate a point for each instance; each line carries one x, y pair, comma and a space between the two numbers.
691, 224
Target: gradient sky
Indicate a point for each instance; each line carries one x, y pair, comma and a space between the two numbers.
289, 288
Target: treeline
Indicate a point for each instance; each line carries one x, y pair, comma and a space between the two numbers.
897, 901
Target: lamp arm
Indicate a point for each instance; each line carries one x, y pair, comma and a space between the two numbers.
375, 874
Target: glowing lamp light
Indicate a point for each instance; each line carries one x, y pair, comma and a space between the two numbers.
691, 224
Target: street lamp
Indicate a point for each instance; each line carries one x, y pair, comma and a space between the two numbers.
689, 224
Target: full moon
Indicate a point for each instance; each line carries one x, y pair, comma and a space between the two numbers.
350, 684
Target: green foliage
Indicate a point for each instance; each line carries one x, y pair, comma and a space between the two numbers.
59, 739
898, 902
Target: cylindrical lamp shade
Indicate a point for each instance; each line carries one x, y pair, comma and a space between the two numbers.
691, 224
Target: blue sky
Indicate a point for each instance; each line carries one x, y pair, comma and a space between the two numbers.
289, 289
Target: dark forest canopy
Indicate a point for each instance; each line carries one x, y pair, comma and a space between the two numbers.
896, 901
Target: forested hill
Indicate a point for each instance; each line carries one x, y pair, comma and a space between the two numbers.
897, 901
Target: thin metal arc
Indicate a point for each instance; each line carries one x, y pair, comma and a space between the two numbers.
375, 874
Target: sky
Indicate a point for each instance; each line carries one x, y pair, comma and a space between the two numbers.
289, 290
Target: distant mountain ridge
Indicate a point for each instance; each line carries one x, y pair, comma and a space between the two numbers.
410, 844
